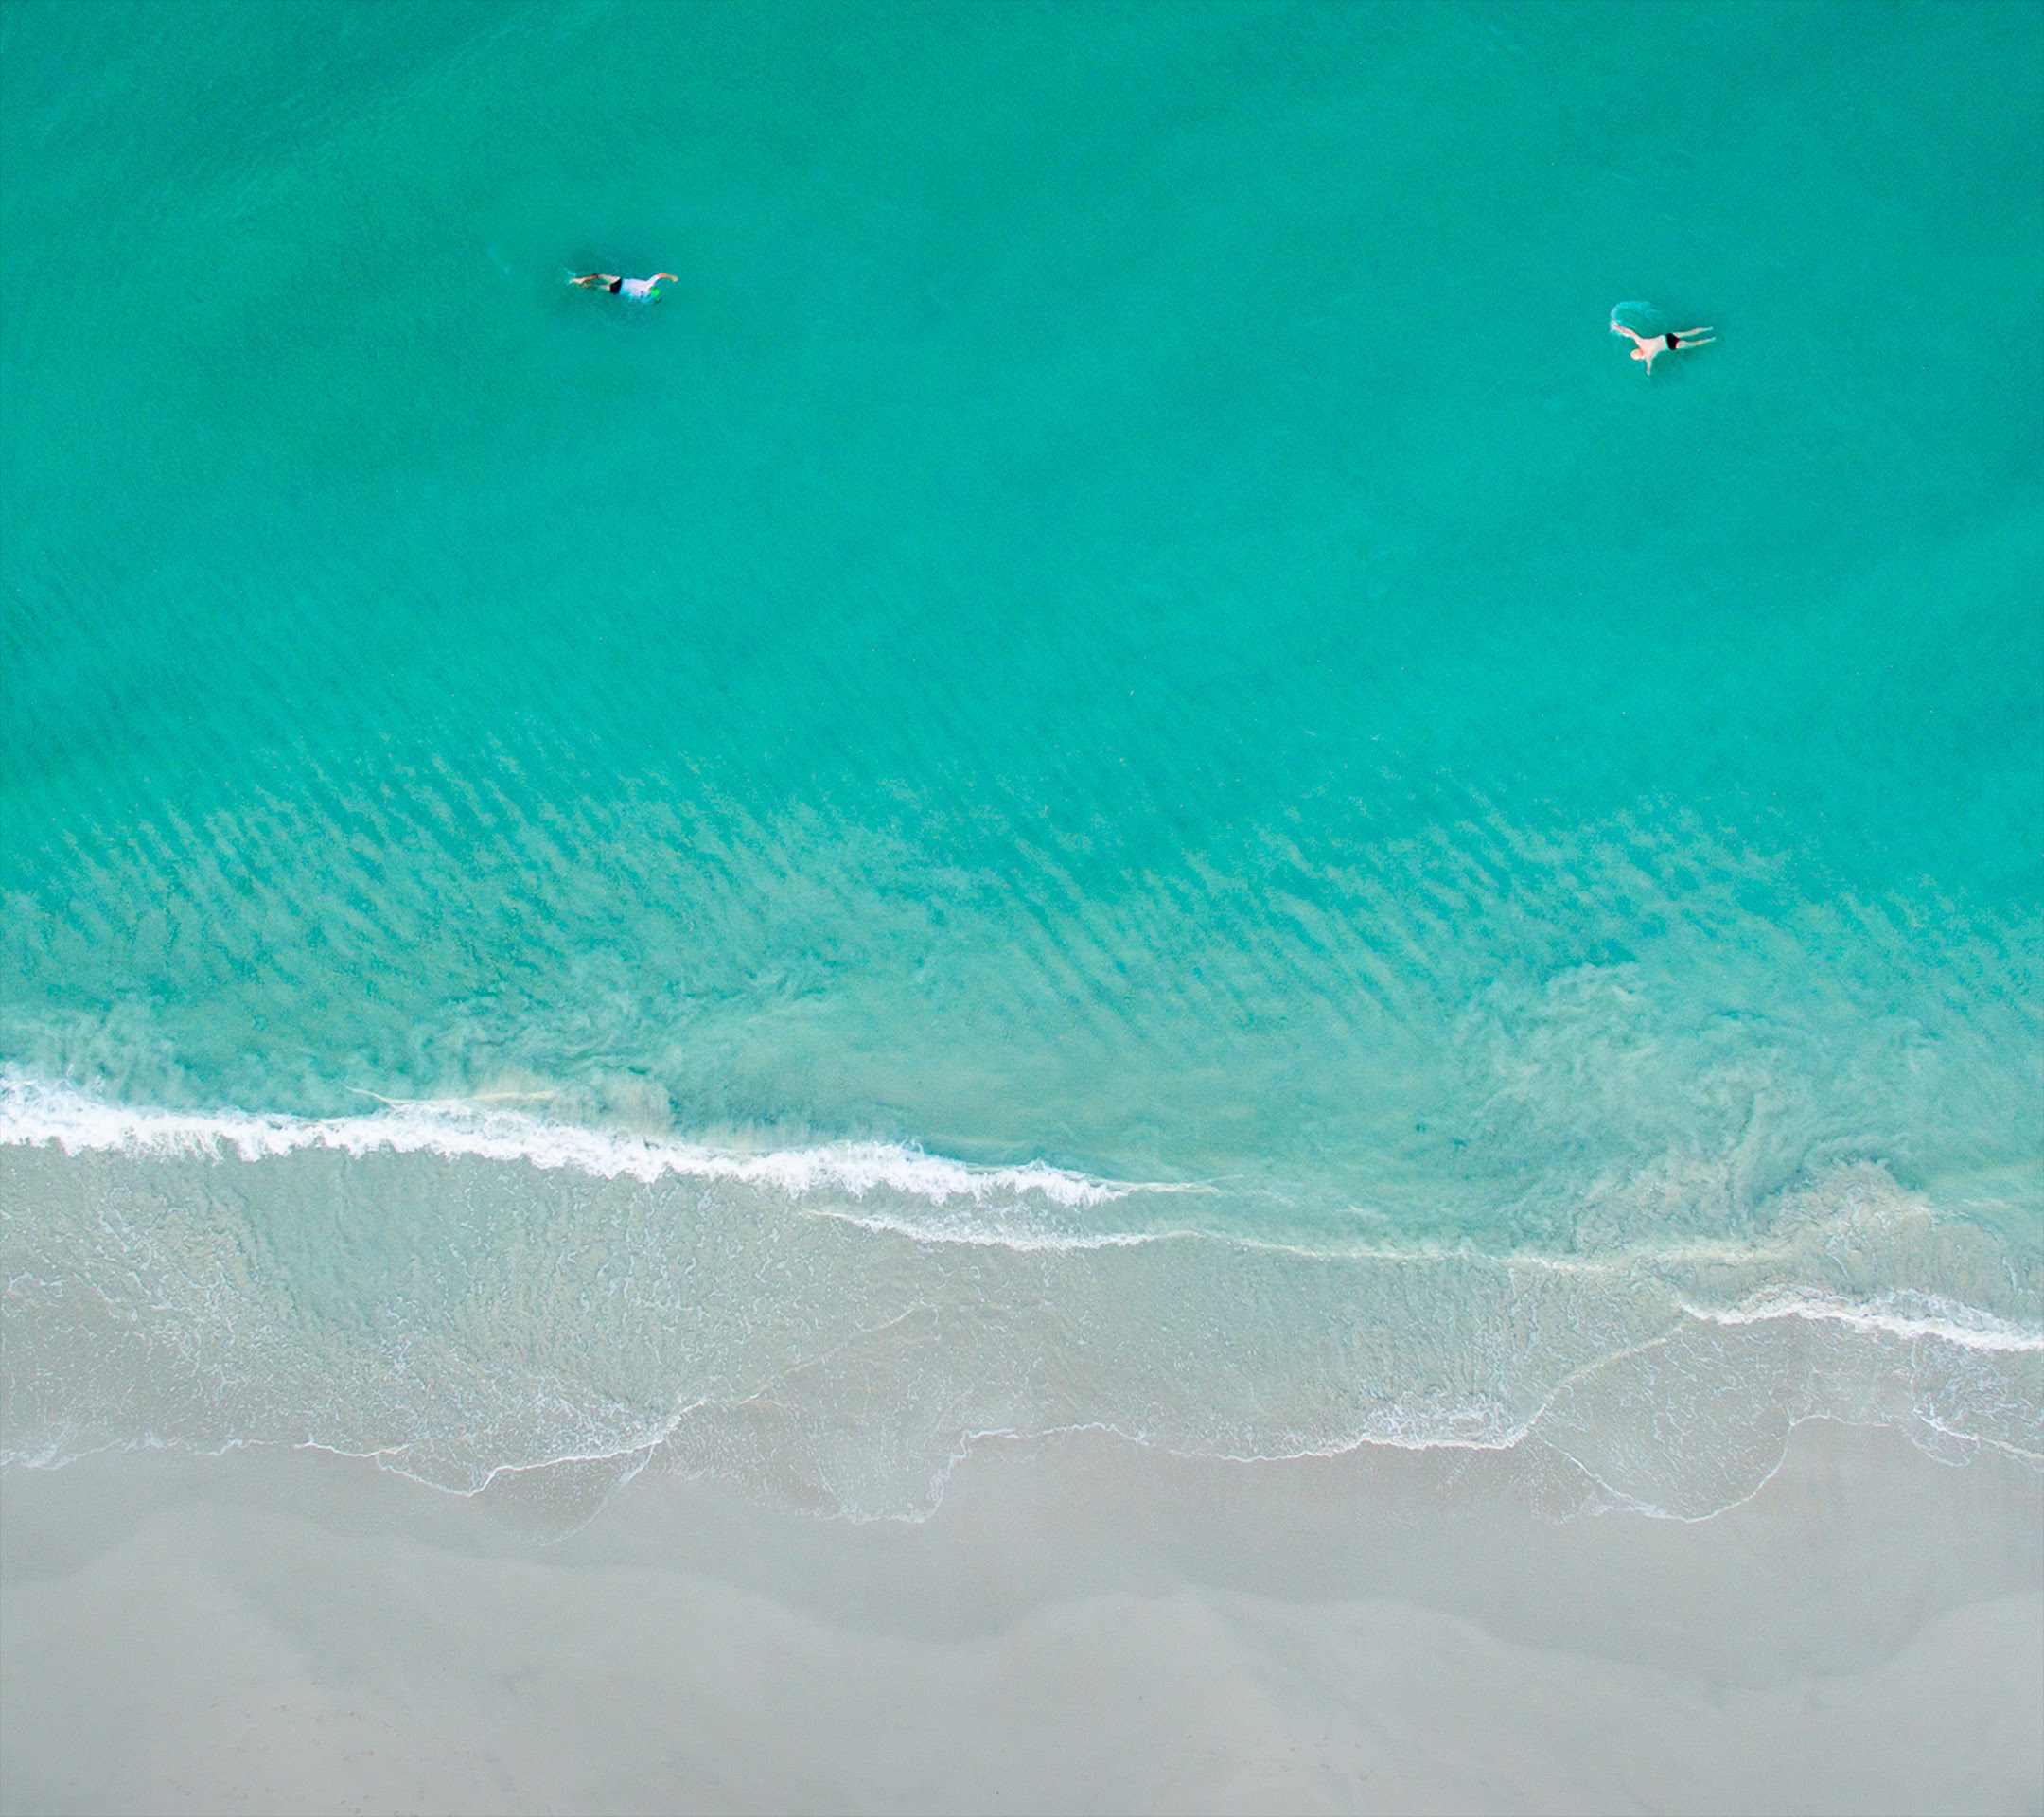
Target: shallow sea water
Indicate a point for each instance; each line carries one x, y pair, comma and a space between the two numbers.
1115, 771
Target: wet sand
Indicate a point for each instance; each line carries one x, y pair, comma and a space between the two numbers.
1082, 1626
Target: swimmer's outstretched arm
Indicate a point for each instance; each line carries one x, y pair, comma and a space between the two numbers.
1638, 339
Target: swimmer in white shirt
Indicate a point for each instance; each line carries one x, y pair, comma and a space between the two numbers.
642, 290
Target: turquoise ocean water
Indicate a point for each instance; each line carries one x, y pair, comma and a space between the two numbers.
1115, 771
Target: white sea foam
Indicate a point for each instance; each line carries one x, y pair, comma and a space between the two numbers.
37, 1112
976, 1229
1903, 1315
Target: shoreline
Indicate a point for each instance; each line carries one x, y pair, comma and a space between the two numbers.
1083, 1624
186, 1298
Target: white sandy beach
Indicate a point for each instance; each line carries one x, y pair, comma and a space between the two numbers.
1081, 1627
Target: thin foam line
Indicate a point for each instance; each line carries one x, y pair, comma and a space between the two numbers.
1950, 1323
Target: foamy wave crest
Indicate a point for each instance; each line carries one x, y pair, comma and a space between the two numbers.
36, 1111
1909, 1316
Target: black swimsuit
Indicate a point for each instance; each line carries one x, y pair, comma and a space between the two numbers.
615, 284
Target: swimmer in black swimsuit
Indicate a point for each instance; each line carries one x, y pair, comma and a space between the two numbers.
1650, 347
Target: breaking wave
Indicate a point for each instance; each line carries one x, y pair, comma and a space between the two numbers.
34, 1112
